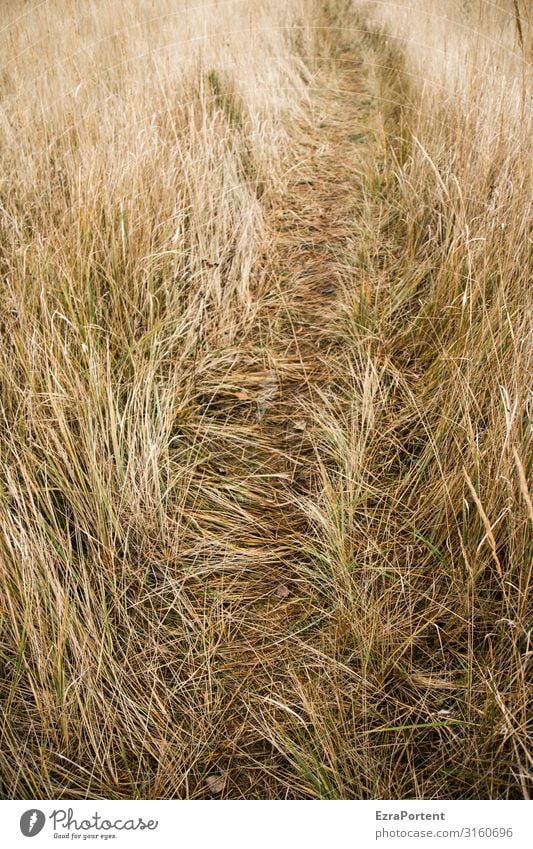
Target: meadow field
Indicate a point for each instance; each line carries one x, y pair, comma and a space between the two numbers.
265, 399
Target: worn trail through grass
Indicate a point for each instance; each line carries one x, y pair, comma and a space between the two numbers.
292, 361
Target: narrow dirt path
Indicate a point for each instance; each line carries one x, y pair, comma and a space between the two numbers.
294, 354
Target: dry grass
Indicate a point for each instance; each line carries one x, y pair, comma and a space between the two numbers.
264, 395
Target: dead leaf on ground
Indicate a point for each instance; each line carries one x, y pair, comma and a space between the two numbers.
268, 390
216, 783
